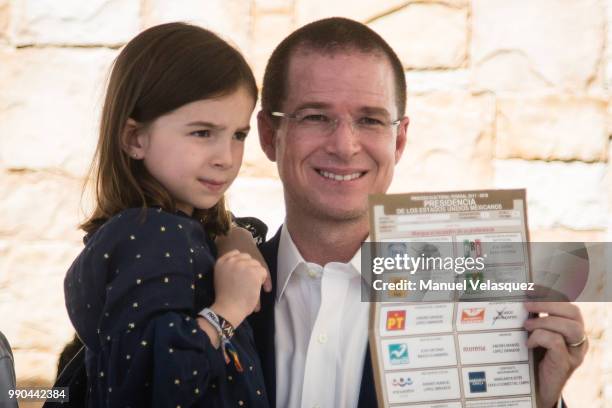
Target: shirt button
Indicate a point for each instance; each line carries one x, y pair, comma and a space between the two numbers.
316, 406
312, 273
322, 338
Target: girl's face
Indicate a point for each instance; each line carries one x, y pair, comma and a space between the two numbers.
195, 151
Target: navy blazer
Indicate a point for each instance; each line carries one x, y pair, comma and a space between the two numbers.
263, 330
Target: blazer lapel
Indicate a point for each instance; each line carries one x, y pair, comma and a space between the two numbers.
367, 393
262, 322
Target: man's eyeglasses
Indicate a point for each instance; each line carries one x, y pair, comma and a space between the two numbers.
325, 123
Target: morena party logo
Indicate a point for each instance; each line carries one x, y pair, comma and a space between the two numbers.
402, 382
478, 381
396, 320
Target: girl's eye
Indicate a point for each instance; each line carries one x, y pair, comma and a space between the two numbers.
201, 133
240, 136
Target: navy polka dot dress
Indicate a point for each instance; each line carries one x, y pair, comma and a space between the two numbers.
133, 295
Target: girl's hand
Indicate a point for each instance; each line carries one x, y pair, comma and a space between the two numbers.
242, 240
238, 281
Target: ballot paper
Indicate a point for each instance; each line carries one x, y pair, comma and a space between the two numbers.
448, 273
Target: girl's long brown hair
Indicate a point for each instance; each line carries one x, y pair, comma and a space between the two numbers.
160, 70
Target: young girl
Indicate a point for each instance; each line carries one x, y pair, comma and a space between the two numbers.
158, 330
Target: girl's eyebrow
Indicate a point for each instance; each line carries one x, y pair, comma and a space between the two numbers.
205, 124
214, 126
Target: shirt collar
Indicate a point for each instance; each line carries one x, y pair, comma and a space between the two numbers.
289, 258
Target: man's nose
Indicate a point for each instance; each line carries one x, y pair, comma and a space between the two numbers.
344, 140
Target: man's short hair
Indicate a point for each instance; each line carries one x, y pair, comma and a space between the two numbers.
330, 35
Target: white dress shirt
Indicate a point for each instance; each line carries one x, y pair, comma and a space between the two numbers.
321, 330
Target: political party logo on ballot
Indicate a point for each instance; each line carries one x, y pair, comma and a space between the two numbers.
504, 314
402, 382
478, 381
396, 319
397, 293
398, 353
473, 315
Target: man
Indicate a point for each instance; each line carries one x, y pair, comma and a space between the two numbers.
333, 120
7, 374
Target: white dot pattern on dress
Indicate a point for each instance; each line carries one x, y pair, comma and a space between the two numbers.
151, 266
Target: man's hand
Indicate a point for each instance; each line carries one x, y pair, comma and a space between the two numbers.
559, 333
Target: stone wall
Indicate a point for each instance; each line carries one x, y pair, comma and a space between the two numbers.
501, 94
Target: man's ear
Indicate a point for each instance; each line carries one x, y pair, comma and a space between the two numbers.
267, 135
133, 140
400, 141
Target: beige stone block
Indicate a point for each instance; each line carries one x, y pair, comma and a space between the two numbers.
274, 6
258, 197
231, 19
559, 195
422, 82
607, 66
566, 235
5, 18
35, 369
608, 190
360, 10
426, 36
586, 385
25, 217
449, 143
32, 295
268, 31
521, 45
553, 127
50, 105
75, 22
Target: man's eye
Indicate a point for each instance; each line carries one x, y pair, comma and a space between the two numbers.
201, 133
315, 118
366, 121
240, 136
